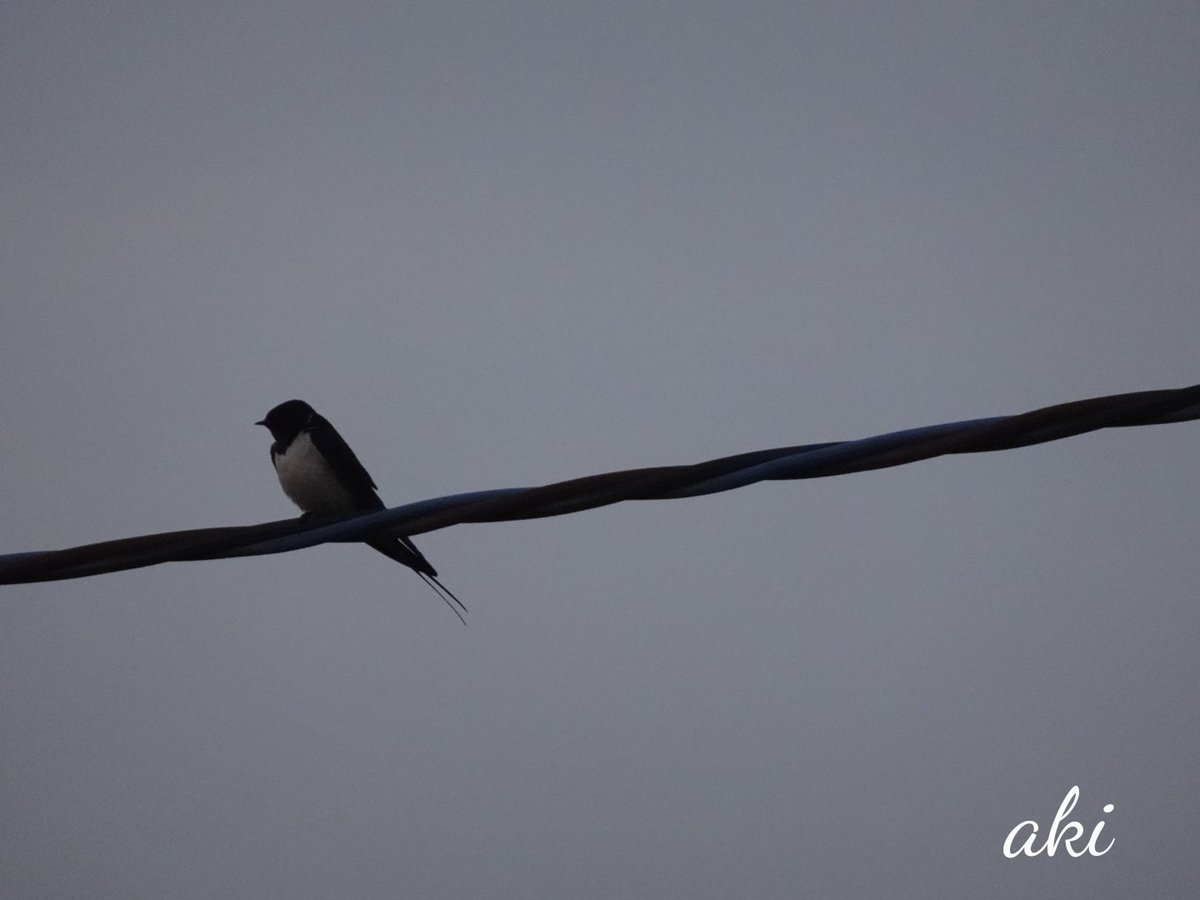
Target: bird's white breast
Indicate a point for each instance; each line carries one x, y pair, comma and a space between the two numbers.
309, 481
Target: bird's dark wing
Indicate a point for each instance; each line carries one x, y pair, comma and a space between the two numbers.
403, 551
425, 565
343, 461
355, 477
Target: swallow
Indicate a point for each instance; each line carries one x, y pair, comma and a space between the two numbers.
320, 474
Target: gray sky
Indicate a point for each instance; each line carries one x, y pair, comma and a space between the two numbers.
505, 243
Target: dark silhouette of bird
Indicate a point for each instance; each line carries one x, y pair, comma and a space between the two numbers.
321, 475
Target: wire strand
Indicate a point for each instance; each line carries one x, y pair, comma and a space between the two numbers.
590, 492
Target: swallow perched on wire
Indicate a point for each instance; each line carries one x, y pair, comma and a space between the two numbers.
321, 475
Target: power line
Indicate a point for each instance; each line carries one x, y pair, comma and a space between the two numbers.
658, 483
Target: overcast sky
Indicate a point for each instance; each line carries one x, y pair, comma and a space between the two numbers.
505, 243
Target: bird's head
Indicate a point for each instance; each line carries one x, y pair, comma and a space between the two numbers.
288, 419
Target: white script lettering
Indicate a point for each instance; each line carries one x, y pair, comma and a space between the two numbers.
1061, 832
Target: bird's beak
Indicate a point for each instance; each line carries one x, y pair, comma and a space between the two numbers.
263, 422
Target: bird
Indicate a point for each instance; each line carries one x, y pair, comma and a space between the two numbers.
320, 474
